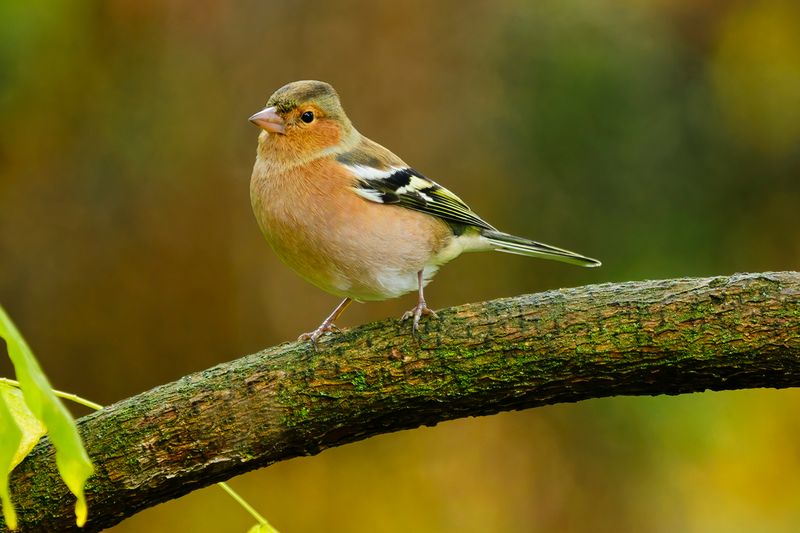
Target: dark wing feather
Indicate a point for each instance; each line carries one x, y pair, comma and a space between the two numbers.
408, 188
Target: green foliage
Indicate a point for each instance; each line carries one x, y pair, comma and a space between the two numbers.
41, 404
19, 433
10, 440
33, 409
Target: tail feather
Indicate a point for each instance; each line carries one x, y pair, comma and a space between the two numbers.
503, 242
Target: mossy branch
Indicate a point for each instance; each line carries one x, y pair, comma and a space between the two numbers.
650, 337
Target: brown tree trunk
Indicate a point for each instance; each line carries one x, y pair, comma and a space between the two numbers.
650, 337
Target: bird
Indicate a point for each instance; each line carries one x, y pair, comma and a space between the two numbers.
351, 217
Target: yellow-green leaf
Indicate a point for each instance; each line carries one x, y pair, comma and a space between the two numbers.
10, 439
71, 457
31, 427
20, 430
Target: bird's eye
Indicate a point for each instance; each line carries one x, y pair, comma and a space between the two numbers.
307, 117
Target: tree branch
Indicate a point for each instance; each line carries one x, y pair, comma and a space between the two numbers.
651, 337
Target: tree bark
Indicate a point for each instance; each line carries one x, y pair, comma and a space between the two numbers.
637, 338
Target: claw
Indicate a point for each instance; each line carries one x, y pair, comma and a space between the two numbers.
420, 310
314, 336
327, 325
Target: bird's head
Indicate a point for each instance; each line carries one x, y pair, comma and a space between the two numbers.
301, 121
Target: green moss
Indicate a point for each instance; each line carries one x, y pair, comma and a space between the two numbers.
465, 381
295, 417
357, 379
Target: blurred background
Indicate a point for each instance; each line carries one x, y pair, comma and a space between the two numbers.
661, 136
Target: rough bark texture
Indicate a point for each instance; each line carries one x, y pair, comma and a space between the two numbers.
650, 337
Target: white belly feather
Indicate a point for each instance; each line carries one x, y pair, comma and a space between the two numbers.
398, 282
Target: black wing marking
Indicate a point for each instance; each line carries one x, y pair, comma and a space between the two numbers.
410, 189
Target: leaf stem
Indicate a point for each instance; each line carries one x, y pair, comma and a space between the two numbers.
233, 494
65, 395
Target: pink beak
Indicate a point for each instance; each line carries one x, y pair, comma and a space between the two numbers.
268, 120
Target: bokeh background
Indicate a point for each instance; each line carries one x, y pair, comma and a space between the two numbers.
662, 136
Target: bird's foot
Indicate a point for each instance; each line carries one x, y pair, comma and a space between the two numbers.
313, 336
420, 310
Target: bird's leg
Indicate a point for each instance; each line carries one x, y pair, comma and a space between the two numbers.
327, 325
420, 310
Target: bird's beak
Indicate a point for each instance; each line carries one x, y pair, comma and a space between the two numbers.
268, 120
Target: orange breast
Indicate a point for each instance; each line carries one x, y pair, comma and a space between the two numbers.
337, 240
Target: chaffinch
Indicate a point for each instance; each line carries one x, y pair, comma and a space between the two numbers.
351, 217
